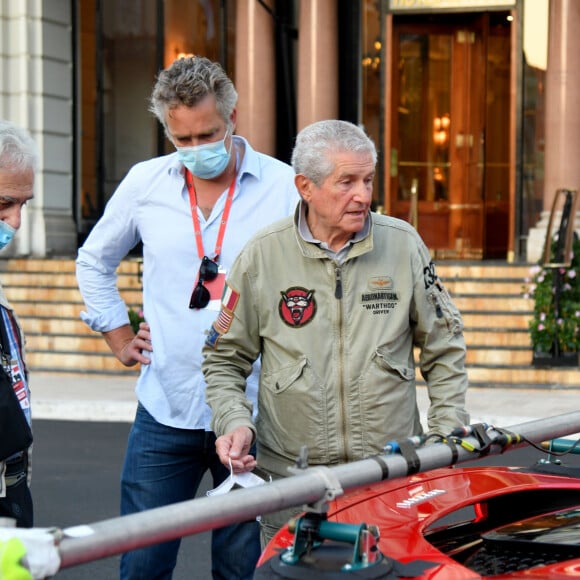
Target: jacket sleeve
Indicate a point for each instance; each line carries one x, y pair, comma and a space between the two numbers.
232, 346
439, 335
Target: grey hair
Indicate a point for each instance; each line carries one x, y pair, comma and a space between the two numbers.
188, 81
18, 151
310, 156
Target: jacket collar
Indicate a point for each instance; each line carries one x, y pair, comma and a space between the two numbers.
361, 243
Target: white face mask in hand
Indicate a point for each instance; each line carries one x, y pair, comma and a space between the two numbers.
245, 479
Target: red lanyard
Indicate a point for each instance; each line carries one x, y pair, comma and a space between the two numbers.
196, 224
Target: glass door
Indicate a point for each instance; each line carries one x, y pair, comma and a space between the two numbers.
448, 116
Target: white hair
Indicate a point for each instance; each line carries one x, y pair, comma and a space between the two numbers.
314, 143
18, 151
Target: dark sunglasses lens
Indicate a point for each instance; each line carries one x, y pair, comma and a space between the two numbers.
208, 269
199, 297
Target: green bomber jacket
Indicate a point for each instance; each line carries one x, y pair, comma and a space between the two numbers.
338, 345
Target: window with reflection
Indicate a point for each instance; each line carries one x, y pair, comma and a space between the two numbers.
372, 50
122, 46
423, 116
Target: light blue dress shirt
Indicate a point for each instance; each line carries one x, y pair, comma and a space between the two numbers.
152, 205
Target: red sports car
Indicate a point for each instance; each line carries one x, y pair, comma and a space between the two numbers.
450, 523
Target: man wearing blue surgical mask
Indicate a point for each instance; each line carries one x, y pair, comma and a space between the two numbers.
193, 210
206, 161
18, 164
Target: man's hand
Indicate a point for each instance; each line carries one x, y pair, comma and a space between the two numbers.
235, 446
129, 347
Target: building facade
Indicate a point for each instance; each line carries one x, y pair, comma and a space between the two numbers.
474, 104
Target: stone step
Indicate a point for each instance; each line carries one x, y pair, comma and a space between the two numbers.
58, 280
495, 320
498, 355
75, 362
482, 270
484, 337
489, 287
524, 375
521, 376
498, 302
47, 309
26, 293
88, 343
52, 294
63, 310
54, 265
54, 325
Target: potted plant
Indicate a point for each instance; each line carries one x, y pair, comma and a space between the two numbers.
555, 324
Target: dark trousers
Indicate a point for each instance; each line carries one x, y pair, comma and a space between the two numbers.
18, 501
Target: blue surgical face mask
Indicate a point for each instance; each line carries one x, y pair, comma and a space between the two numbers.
206, 161
6, 234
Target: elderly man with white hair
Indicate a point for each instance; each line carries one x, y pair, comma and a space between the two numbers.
18, 164
334, 300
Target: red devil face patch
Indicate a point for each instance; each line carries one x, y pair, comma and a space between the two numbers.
297, 306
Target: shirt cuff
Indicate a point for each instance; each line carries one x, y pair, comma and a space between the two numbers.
105, 321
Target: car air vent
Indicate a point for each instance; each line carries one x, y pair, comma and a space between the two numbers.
538, 541
494, 559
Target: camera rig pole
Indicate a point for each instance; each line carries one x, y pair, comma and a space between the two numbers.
312, 487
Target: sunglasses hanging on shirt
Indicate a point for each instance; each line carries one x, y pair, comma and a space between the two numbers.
208, 271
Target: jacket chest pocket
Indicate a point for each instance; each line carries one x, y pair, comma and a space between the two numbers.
388, 401
292, 412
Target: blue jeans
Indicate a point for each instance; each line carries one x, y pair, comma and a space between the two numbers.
164, 465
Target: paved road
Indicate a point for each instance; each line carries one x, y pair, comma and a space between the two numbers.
76, 481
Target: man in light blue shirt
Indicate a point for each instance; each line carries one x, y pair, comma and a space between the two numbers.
193, 210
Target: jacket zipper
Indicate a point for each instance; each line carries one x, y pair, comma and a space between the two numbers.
338, 296
338, 280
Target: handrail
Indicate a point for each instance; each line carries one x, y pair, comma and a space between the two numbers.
413, 207
563, 252
563, 255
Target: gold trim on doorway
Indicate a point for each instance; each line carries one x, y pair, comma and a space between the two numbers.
464, 36
465, 206
462, 140
422, 164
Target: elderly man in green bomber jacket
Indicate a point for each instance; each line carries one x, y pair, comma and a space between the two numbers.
333, 300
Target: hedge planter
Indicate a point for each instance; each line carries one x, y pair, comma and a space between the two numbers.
546, 360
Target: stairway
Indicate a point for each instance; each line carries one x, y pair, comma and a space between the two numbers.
495, 315
45, 296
